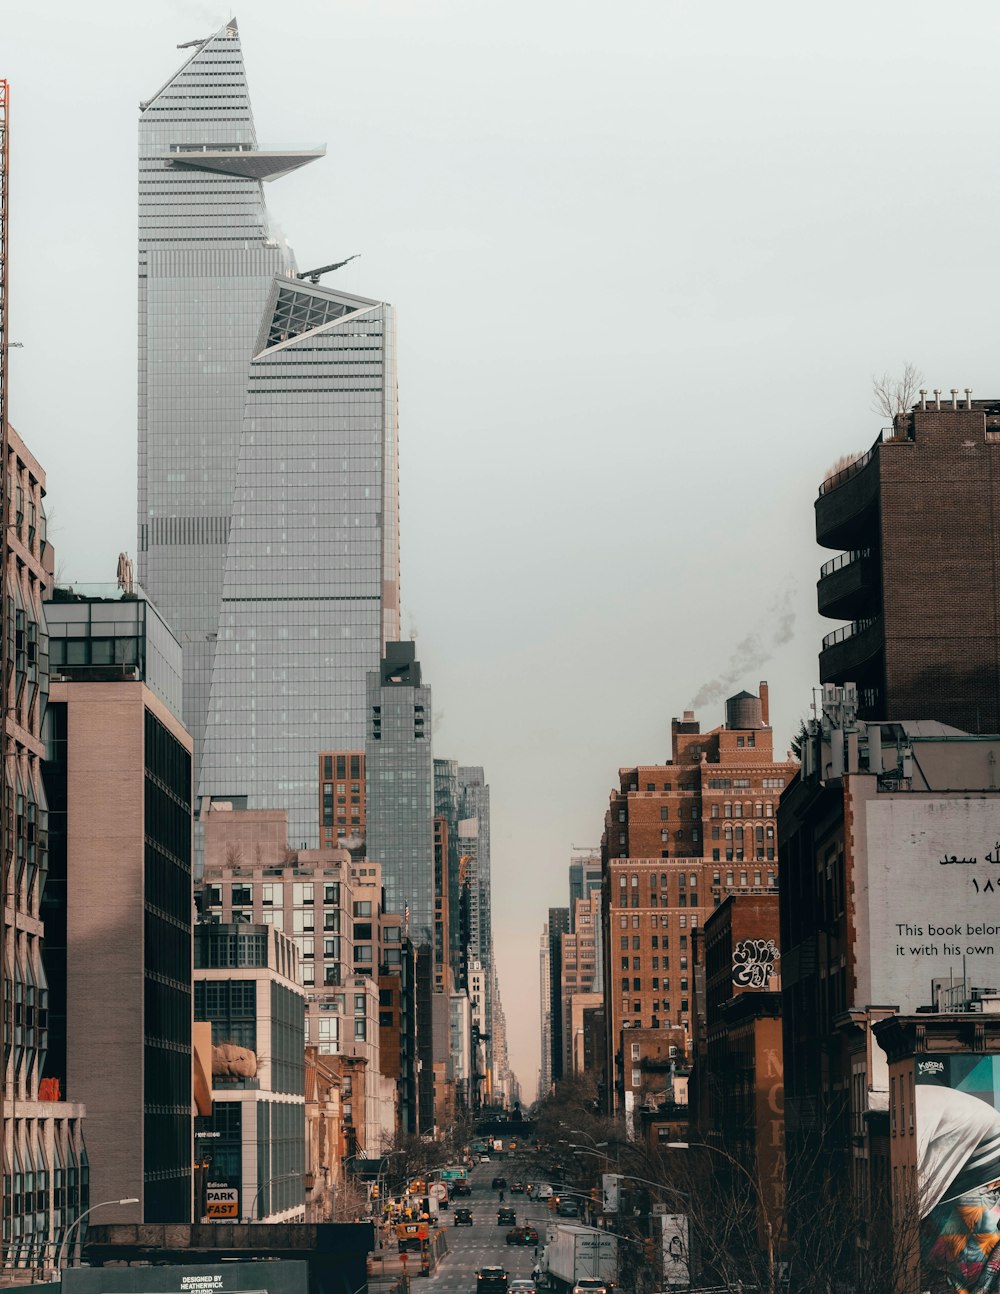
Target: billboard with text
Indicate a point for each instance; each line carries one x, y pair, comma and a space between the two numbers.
927, 897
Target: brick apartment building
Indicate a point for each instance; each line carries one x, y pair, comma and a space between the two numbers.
678, 836
918, 580
738, 1075
341, 797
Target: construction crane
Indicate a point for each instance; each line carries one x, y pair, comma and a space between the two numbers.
313, 275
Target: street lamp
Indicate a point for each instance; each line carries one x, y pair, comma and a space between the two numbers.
132, 1199
754, 1186
282, 1177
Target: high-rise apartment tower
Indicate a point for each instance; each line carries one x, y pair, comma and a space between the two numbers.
268, 515
917, 579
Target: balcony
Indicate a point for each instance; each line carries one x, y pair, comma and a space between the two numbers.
853, 653
847, 507
847, 588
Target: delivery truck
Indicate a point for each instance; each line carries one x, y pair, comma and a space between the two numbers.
578, 1253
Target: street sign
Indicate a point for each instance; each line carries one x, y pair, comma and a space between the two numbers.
452, 1174
222, 1202
437, 1191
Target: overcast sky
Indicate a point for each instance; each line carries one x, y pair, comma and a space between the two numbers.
646, 258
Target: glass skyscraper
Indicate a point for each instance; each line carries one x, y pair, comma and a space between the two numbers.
268, 487
399, 768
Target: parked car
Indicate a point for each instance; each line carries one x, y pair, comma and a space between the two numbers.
499, 1184
506, 1217
463, 1218
522, 1236
491, 1280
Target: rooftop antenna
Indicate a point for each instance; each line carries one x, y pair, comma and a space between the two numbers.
314, 275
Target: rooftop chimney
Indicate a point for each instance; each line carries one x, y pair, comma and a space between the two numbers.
764, 709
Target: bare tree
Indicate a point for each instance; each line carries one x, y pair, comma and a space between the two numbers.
895, 395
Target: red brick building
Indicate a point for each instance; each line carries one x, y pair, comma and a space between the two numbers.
739, 1075
678, 836
918, 579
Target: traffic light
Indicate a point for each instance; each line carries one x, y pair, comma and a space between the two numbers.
375, 1190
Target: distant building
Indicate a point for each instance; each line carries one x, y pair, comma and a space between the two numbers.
341, 798
678, 837
557, 926
400, 779
119, 768
330, 905
916, 513
584, 876
42, 1130
246, 985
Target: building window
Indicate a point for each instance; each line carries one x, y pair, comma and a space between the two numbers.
360, 1030
635, 1051
728, 813
664, 813
636, 1082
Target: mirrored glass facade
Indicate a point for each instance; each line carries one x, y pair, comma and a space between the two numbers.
268, 513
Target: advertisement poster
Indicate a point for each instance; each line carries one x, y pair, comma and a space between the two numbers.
609, 1191
676, 1266
928, 899
958, 1164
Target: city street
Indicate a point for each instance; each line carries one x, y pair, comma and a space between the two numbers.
484, 1243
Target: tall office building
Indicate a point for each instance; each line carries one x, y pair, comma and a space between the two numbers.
475, 812
558, 925
584, 876
268, 495
917, 512
544, 994
400, 776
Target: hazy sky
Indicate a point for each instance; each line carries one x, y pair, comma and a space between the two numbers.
646, 258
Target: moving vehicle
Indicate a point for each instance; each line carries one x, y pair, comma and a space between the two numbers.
460, 1188
522, 1236
523, 1287
543, 1191
506, 1217
491, 1280
516, 1188
463, 1218
591, 1285
499, 1183
568, 1208
576, 1254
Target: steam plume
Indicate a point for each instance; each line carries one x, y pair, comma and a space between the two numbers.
753, 651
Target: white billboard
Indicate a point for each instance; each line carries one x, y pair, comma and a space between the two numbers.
609, 1190
927, 897
676, 1258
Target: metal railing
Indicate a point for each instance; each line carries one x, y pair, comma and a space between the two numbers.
844, 559
849, 631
